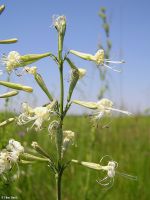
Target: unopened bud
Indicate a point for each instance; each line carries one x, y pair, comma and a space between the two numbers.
90, 105
42, 85
39, 149
60, 24
88, 164
9, 94
73, 82
16, 86
30, 58
76, 74
6, 122
84, 56
9, 41
33, 157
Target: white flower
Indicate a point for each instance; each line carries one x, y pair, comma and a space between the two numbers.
4, 161
111, 171
38, 115
98, 58
10, 155
15, 146
12, 61
105, 107
14, 156
15, 150
110, 168
68, 139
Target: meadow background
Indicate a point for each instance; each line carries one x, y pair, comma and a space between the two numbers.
127, 140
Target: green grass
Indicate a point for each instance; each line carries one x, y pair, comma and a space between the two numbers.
127, 140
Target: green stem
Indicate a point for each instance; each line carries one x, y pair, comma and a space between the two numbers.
59, 173
58, 177
61, 90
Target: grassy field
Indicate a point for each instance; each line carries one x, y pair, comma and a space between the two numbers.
127, 140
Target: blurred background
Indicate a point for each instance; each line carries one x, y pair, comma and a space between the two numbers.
127, 140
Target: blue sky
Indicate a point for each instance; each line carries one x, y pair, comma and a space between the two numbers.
30, 21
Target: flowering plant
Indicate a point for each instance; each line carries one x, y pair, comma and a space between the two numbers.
54, 112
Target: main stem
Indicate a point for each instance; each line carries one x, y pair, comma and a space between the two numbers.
61, 90
61, 111
58, 185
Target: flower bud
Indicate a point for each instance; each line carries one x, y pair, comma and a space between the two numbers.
42, 85
16, 86
6, 122
60, 24
90, 105
84, 56
2, 8
39, 149
73, 82
76, 74
9, 41
31, 58
33, 157
9, 94
88, 164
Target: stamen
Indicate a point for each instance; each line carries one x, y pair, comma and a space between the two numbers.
115, 62
112, 68
121, 111
128, 176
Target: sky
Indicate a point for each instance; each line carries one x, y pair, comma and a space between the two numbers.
31, 22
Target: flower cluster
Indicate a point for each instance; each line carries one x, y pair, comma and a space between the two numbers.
38, 115
10, 155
